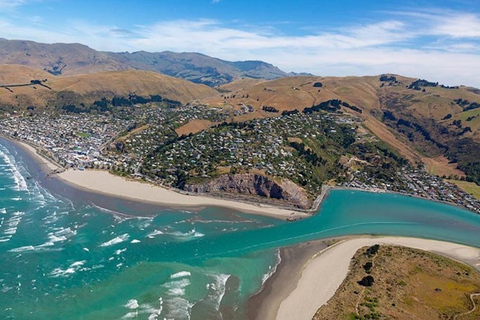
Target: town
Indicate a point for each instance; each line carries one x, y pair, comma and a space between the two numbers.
311, 149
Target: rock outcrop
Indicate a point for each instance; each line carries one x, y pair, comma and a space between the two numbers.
255, 184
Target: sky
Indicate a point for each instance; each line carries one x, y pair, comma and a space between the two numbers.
436, 40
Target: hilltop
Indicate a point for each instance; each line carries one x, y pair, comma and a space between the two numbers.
61, 59
85, 89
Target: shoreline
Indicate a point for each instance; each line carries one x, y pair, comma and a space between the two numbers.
298, 289
104, 183
162, 196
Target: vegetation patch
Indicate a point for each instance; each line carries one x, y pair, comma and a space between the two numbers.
404, 283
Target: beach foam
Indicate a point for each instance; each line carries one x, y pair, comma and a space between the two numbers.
273, 268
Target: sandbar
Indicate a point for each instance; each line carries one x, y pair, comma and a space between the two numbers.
317, 280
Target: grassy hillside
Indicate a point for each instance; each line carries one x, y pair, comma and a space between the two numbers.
86, 89
426, 122
407, 284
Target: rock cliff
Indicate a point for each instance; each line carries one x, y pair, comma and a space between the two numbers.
255, 184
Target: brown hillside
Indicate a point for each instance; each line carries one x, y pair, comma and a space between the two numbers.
424, 108
58, 58
88, 88
407, 284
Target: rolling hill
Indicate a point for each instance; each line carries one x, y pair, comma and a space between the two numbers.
59, 91
426, 122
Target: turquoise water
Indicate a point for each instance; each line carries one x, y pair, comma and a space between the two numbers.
66, 254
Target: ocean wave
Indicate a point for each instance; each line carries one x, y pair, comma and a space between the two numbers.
44, 247
20, 183
155, 233
178, 308
177, 288
217, 288
180, 274
12, 223
59, 272
116, 240
22, 249
186, 235
3, 210
119, 251
132, 304
135, 241
62, 232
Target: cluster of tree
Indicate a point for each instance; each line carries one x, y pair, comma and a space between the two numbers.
333, 105
467, 105
288, 113
106, 105
236, 125
448, 87
318, 85
421, 83
329, 105
448, 116
371, 251
409, 128
349, 106
388, 115
466, 153
181, 179
366, 281
465, 130
472, 117
387, 78
269, 109
307, 154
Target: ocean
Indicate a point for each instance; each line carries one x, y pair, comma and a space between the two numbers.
70, 254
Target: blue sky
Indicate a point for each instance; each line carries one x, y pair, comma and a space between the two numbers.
438, 40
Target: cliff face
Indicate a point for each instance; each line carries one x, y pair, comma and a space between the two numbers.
254, 184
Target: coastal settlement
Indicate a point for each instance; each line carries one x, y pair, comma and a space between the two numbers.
161, 145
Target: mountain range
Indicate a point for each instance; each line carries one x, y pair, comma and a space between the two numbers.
61, 59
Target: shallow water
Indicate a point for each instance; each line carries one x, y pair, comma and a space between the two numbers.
73, 255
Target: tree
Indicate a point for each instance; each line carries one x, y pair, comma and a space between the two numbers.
366, 281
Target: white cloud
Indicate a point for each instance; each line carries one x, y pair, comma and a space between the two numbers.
459, 26
440, 46
6, 4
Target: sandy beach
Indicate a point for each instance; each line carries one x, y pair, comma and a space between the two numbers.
108, 184
309, 287
45, 164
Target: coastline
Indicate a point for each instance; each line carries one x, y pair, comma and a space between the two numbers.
104, 183
303, 288
162, 196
